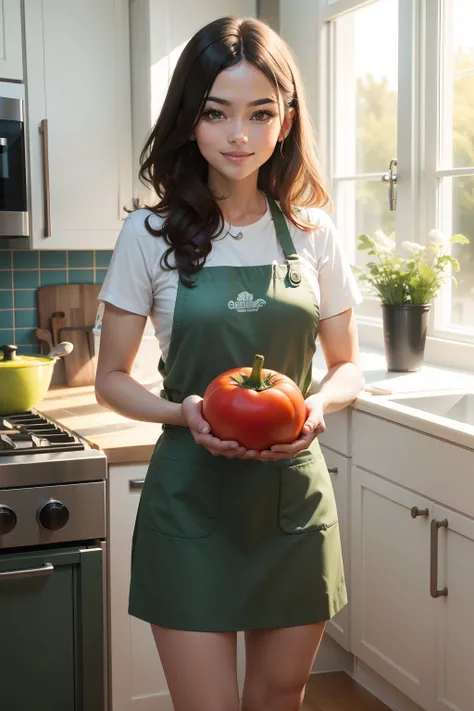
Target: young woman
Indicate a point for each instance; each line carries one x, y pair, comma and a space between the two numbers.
228, 539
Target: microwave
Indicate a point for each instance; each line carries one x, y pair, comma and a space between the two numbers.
13, 192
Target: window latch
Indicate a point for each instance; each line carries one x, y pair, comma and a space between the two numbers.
391, 178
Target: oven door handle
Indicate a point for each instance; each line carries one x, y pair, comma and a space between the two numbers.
45, 569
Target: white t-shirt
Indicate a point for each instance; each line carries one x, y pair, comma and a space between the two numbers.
136, 282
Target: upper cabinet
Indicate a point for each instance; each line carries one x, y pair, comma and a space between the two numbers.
78, 121
159, 31
11, 60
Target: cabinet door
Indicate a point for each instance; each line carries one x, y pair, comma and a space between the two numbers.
339, 467
453, 677
11, 60
78, 82
51, 608
391, 614
137, 678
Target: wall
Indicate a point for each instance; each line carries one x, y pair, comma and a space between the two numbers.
22, 272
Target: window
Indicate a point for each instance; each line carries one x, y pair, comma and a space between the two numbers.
400, 86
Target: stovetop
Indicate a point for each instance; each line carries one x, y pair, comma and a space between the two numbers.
31, 432
37, 451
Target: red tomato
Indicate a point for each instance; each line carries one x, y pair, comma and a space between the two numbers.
255, 407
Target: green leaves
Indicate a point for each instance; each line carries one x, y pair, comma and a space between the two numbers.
416, 278
459, 239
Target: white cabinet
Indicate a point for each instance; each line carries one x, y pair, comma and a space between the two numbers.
159, 31
421, 642
78, 121
136, 676
11, 59
391, 615
453, 652
339, 468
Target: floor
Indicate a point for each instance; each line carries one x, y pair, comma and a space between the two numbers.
338, 692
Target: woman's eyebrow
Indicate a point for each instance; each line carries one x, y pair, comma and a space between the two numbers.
257, 102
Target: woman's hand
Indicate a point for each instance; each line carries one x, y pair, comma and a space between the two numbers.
313, 426
200, 429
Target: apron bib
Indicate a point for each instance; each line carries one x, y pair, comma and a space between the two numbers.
224, 544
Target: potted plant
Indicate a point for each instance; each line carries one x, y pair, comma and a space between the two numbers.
406, 286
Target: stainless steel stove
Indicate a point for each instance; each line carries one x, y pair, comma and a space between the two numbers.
52, 566
52, 484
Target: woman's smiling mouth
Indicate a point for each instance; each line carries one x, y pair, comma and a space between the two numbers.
237, 156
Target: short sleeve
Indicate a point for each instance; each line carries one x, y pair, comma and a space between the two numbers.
337, 283
128, 283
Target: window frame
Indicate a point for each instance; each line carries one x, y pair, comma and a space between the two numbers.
419, 116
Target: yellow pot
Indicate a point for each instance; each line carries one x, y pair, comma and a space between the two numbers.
24, 380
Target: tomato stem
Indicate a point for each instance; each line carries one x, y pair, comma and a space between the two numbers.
255, 378
256, 381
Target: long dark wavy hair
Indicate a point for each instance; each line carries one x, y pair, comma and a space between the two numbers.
173, 166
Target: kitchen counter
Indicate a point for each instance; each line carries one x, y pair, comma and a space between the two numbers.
382, 386
126, 441
122, 440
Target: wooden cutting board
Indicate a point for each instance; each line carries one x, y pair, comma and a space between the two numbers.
79, 304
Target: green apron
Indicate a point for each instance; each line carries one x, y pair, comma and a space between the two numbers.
225, 544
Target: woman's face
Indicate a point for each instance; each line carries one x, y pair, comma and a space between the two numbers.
242, 121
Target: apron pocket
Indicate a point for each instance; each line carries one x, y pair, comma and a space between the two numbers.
181, 498
307, 500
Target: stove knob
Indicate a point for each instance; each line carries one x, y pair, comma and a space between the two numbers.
7, 520
53, 515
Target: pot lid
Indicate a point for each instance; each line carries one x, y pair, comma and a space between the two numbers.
10, 360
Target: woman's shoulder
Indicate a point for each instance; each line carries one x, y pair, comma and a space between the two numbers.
315, 242
316, 216
137, 222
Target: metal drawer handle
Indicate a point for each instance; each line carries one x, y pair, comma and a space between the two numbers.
435, 525
136, 484
45, 569
415, 511
47, 193
333, 470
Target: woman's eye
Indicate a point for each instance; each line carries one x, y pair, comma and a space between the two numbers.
261, 116
213, 114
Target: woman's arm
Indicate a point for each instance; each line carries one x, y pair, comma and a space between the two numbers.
340, 386
344, 380
114, 386
116, 389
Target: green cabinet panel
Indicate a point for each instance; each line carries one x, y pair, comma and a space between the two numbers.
51, 631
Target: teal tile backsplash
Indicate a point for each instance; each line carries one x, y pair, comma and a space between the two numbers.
20, 275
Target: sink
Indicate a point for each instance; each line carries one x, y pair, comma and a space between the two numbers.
457, 406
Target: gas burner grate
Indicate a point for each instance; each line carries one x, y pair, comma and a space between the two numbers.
31, 433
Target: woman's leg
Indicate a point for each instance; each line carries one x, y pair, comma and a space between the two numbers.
200, 668
278, 664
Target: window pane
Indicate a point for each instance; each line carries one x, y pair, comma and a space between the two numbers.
366, 68
462, 303
362, 206
462, 68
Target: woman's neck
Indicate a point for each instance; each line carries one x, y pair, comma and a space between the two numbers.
241, 203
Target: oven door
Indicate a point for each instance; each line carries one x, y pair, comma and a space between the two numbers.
52, 630
13, 207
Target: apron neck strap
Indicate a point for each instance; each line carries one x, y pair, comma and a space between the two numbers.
283, 234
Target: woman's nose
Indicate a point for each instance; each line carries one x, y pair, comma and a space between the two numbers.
237, 135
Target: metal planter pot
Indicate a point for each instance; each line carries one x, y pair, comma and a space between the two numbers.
405, 328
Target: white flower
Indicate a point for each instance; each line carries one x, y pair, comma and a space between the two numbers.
437, 238
382, 240
413, 247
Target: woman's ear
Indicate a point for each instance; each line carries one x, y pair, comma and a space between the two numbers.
287, 124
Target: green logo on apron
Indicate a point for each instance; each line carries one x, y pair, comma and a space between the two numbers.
246, 302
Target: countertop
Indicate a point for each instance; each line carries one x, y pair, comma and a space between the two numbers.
129, 441
123, 441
